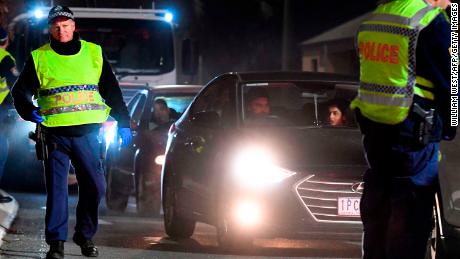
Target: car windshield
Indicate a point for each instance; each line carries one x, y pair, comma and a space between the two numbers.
141, 47
132, 46
288, 104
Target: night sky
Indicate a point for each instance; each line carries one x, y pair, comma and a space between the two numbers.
247, 35
242, 35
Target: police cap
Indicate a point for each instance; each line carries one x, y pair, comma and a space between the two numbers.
60, 11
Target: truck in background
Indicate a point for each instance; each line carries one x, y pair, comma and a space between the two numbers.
142, 46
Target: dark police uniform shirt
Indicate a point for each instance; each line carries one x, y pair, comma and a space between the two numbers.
433, 63
28, 84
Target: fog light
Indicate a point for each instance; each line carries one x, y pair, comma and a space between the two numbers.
247, 213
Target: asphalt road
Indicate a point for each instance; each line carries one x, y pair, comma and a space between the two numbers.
126, 235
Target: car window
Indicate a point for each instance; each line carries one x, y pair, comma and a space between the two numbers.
177, 102
176, 105
297, 105
219, 97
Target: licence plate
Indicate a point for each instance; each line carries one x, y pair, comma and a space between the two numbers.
348, 206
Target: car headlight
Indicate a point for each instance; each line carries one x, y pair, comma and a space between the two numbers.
255, 167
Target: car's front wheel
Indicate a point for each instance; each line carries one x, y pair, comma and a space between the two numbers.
176, 226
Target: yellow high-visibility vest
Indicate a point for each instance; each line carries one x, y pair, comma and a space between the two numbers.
68, 93
387, 43
4, 90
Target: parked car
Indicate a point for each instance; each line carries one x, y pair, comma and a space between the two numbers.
136, 170
284, 174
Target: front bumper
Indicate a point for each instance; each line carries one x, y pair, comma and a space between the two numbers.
301, 207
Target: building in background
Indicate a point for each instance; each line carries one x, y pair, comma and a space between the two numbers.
333, 50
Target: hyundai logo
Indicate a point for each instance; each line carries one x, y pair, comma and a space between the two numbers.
358, 187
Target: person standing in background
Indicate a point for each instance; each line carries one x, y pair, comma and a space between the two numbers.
8, 74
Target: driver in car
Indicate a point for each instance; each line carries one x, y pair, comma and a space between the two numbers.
163, 116
258, 103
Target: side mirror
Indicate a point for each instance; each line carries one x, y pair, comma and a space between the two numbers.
189, 57
207, 119
134, 124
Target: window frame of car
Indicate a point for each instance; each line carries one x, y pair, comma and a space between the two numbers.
199, 117
348, 92
140, 99
153, 95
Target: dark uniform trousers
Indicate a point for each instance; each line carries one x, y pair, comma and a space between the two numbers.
396, 213
84, 152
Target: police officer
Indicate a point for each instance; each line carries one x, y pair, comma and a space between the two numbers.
76, 90
8, 74
402, 108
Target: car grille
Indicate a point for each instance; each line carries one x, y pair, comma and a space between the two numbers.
320, 198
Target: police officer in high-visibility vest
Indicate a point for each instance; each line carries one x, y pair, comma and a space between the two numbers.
76, 91
8, 74
403, 109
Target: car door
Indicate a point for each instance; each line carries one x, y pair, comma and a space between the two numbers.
211, 117
135, 110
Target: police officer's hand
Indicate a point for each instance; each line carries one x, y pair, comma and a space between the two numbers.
126, 136
36, 117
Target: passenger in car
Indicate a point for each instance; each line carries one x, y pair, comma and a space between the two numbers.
337, 113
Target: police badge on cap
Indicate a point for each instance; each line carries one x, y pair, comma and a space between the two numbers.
60, 11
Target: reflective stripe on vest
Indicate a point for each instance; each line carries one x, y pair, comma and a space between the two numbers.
68, 93
387, 47
424, 88
4, 90
73, 108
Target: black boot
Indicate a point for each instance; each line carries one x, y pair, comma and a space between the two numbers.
87, 247
56, 250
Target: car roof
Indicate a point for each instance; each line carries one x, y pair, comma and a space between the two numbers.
166, 88
175, 88
129, 90
294, 76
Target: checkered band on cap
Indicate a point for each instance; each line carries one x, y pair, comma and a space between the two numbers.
65, 14
60, 11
